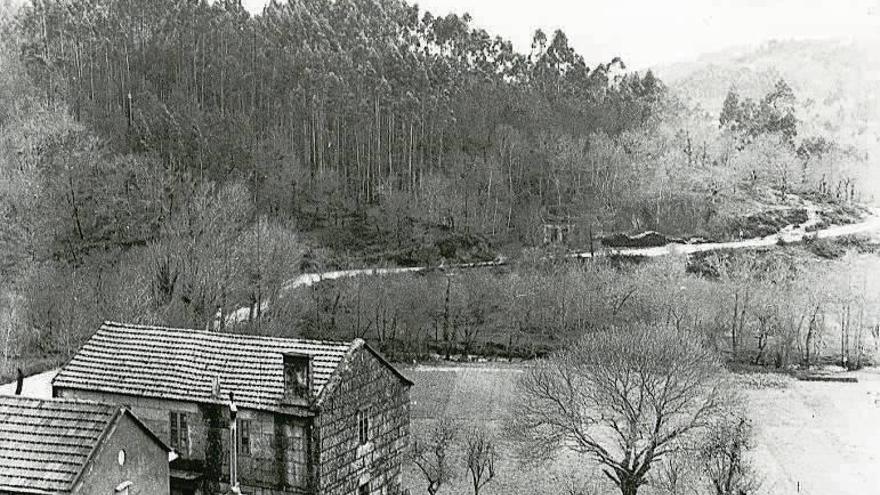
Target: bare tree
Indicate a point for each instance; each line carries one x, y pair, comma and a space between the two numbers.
575, 483
623, 397
723, 456
480, 457
431, 455
678, 475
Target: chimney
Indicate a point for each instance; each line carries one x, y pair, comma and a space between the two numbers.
297, 379
233, 444
19, 382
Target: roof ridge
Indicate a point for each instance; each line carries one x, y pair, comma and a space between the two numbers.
58, 400
140, 326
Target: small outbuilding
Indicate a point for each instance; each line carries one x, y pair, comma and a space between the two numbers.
62, 446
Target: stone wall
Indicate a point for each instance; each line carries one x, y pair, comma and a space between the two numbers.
365, 384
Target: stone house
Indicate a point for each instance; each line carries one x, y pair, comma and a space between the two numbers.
61, 446
310, 417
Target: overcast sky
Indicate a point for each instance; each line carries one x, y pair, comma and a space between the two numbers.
653, 32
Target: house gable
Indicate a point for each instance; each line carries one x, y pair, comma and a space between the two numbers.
128, 455
46, 445
362, 429
358, 346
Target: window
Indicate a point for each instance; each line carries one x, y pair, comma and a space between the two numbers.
244, 437
179, 438
364, 488
363, 419
295, 446
297, 371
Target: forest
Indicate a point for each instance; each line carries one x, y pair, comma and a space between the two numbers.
161, 161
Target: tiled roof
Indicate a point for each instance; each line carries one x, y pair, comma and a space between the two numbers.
44, 444
181, 364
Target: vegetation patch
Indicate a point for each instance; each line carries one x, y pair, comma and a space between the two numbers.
827, 378
824, 248
836, 247
837, 212
761, 379
447, 247
643, 240
764, 223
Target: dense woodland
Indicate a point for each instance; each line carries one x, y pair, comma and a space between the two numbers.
160, 160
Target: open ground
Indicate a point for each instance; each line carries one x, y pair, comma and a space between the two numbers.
812, 438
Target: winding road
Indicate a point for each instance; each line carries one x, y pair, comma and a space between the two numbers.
788, 234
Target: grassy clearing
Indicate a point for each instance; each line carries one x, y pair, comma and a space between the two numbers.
814, 435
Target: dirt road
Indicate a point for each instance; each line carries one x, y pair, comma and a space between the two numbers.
789, 234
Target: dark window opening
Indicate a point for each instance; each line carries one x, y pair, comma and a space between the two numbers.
297, 371
363, 419
364, 488
179, 437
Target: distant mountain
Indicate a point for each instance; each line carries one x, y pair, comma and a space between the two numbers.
837, 83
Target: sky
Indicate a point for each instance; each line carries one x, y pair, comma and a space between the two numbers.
649, 33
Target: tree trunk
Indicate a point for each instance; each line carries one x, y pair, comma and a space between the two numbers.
733, 327
629, 486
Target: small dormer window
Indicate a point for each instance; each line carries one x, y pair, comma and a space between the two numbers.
297, 375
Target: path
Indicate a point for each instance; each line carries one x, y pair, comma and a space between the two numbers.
309, 279
788, 234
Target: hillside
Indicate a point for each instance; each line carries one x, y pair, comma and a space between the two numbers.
836, 83
186, 158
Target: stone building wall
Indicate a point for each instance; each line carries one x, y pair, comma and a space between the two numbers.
364, 384
260, 473
144, 463
340, 464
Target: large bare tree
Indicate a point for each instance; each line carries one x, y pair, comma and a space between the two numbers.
625, 397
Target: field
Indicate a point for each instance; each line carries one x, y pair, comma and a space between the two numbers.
480, 396
813, 438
